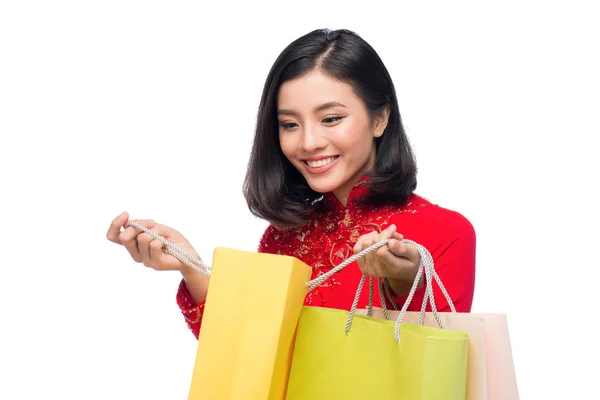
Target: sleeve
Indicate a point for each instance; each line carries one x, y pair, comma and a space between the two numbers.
192, 313
268, 244
451, 240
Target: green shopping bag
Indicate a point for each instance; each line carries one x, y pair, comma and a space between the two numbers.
343, 355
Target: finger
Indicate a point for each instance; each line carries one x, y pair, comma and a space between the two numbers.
128, 238
377, 263
160, 260
157, 254
114, 229
387, 232
397, 247
132, 232
362, 240
370, 258
143, 243
404, 250
394, 264
146, 223
363, 243
397, 236
358, 247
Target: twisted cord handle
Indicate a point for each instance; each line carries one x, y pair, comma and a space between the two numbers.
176, 252
427, 267
430, 276
383, 286
311, 285
205, 269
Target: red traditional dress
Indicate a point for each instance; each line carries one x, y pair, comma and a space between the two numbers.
329, 237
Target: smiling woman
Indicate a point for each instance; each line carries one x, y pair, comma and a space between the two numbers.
327, 133
332, 171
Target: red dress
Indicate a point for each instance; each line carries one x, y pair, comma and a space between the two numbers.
329, 237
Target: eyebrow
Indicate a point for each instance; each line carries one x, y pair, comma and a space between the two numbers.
322, 107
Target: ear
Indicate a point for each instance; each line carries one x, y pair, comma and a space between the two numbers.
381, 121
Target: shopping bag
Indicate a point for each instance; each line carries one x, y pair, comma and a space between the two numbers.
343, 355
250, 317
490, 372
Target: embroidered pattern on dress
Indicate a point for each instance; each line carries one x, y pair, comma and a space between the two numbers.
329, 238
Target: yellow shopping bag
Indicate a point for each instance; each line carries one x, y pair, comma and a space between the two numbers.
344, 355
250, 317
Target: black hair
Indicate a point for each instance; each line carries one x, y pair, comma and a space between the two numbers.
274, 189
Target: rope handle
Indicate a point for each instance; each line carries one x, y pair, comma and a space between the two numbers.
427, 266
176, 252
205, 269
383, 284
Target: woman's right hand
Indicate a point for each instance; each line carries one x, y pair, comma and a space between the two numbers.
147, 250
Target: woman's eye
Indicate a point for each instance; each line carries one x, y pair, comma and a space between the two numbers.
287, 125
331, 120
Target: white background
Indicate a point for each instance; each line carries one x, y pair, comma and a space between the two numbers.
149, 107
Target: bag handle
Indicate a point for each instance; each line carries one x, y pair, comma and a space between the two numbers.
427, 297
383, 284
205, 269
176, 252
427, 267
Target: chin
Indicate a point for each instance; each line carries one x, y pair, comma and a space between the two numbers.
322, 187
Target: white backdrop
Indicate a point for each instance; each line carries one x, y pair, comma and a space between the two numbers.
149, 107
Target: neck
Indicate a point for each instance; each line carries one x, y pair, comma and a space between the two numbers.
342, 197
343, 193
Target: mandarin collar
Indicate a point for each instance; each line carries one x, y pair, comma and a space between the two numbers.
357, 193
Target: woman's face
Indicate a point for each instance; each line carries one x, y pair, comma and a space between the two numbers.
326, 132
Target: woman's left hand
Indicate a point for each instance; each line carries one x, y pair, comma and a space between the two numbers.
397, 261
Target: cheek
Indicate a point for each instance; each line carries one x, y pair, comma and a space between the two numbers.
287, 145
355, 138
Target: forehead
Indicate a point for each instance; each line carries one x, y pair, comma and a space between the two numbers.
307, 92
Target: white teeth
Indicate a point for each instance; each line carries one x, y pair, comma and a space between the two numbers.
320, 163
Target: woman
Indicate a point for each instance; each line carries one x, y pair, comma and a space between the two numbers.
332, 171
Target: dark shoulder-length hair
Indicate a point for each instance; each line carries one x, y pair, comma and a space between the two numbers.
273, 187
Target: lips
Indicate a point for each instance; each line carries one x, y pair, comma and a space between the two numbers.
320, 162
320, 165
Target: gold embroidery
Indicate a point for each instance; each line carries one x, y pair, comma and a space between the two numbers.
347, 220
196, 319
341, 253
401, 210
331, 257
354, 235
301, 236
374, 225
327, 284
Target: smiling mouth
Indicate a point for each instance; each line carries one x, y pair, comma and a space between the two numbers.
320, 163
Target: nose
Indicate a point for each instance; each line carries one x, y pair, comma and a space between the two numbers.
313, 140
